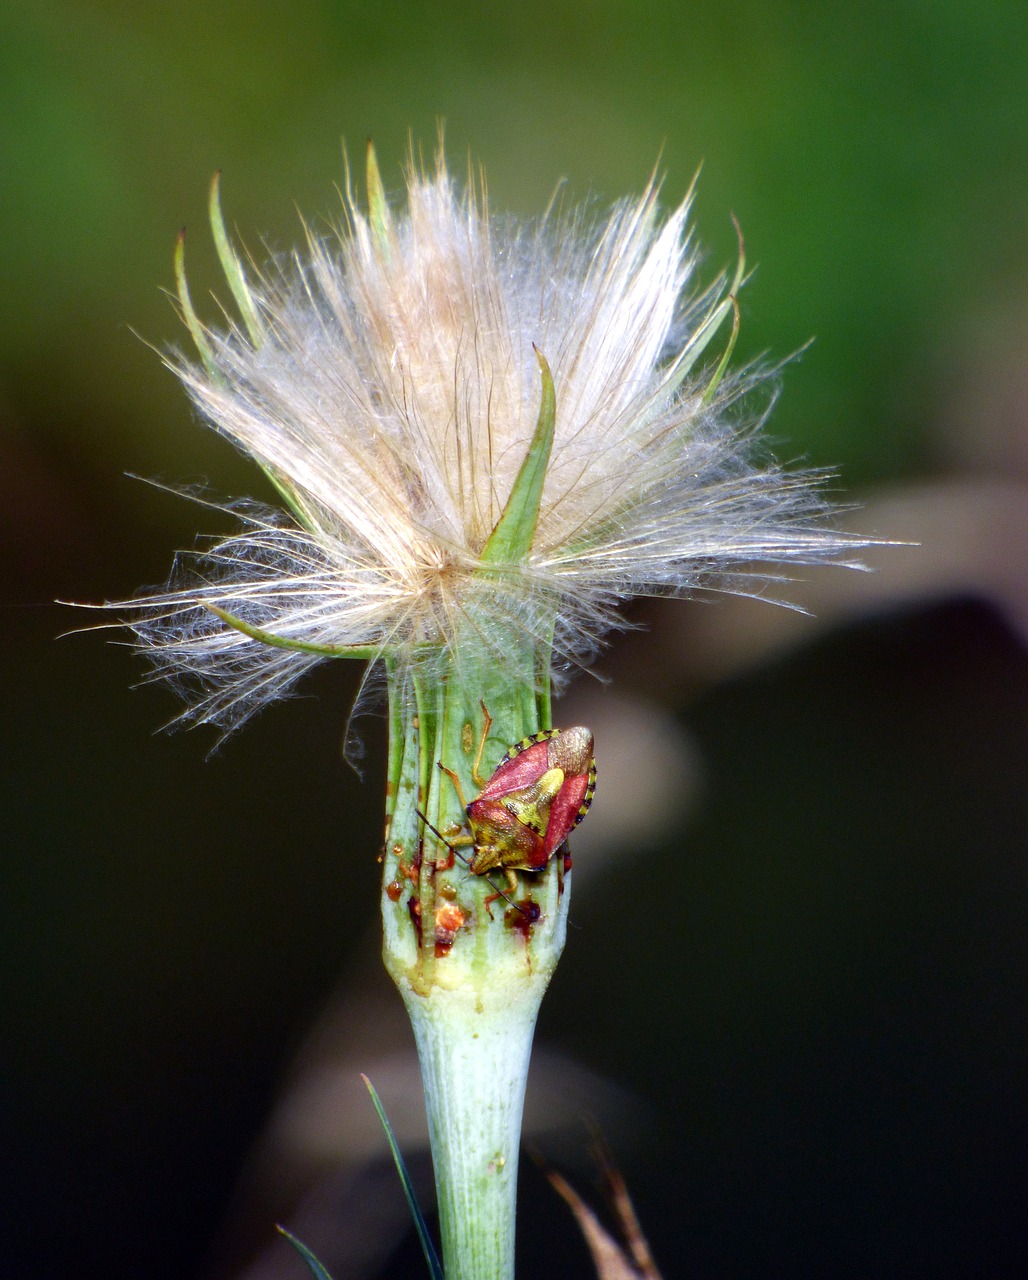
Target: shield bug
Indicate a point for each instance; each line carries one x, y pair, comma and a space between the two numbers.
538, 793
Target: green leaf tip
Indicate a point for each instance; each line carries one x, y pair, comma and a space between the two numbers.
704, 335
316, 1268
733, 299
378, 206
726, 355
427, 1247
511, 539
231, 265
301, 646
189, 315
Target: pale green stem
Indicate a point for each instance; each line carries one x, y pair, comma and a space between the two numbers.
474, 1046
472, 993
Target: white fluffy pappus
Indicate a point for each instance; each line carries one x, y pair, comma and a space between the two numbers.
386, 379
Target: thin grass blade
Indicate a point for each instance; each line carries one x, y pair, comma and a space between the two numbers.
316, 1269
431, 1257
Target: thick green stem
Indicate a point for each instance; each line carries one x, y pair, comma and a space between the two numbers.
474, 1047
472, 972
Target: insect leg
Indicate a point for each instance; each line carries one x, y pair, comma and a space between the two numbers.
475, 768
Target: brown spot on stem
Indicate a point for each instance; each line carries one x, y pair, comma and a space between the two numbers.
449, 920
522, 916
414, 907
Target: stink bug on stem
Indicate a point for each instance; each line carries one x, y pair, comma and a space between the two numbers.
538, 793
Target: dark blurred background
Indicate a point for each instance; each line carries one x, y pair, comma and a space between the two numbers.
809, 985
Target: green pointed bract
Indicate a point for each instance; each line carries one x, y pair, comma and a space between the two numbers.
316, 1269
189, 315
241, 293
232, 267
363, 651
686, 359
511, 539
733, 298
378, 206
722, 365
290, 497
431, 1257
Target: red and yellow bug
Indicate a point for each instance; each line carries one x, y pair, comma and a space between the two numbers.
538, 793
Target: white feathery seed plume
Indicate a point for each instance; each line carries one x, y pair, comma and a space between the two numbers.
387, 379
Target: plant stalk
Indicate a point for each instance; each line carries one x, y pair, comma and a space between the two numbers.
472, 973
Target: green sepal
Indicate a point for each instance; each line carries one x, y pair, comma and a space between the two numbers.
701, 339
378, 206
231, 266
363, 651
316, 1268
733, 298
431, 1257
189, 315
726, 355
511, 539
236, 278
289, 496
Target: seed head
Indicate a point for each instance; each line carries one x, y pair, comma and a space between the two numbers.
399, 377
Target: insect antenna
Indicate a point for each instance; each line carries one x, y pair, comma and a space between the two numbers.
467, 862
435, 831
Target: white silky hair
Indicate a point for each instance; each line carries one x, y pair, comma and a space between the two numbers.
394, 393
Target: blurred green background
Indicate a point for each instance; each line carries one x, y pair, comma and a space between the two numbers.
835, 1044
